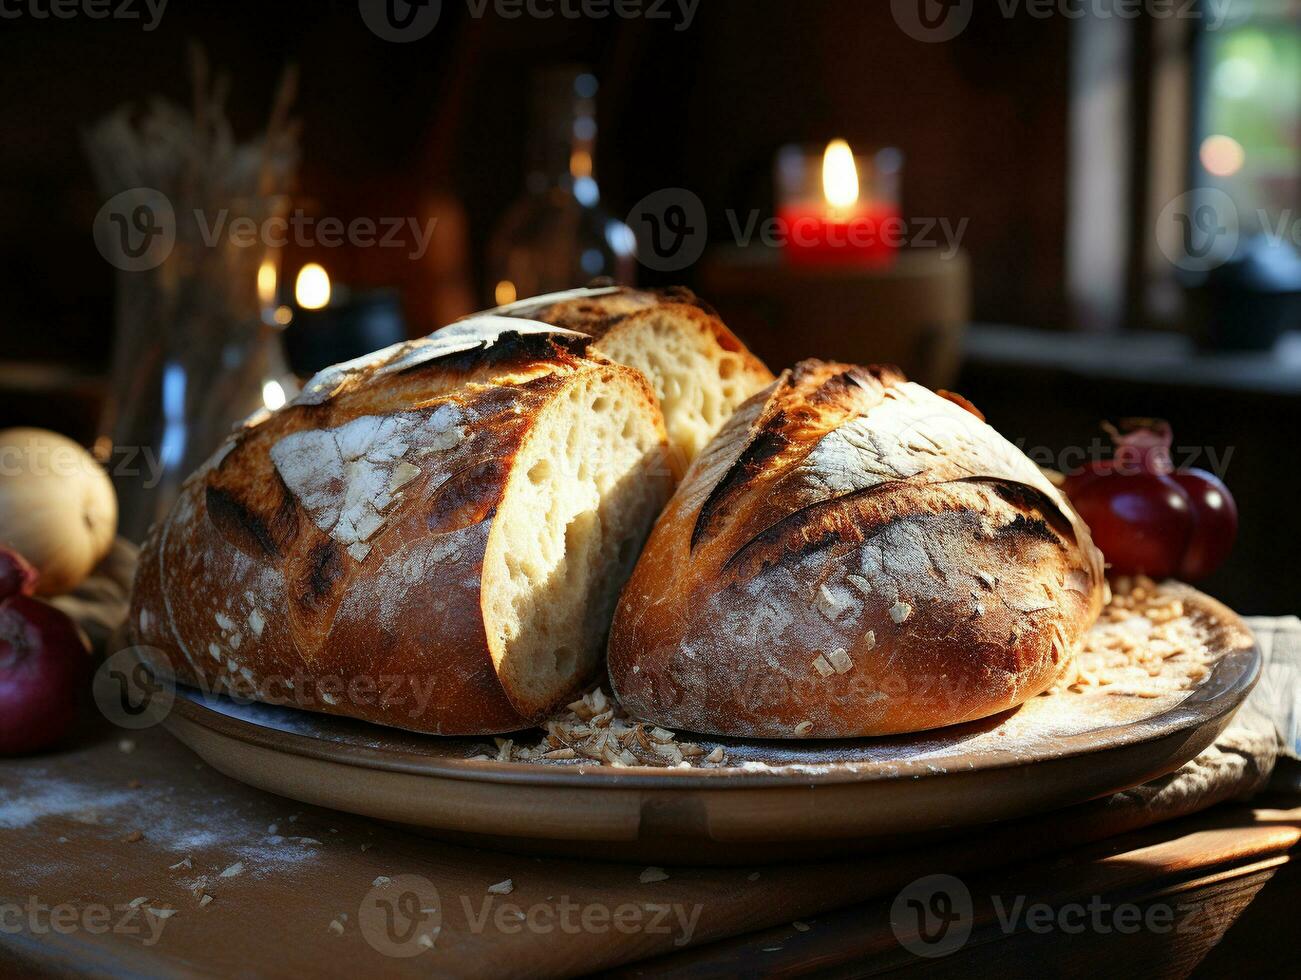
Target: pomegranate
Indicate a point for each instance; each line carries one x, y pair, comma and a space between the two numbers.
1149, 518
43, 664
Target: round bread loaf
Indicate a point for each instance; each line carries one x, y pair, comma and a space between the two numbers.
852, 555
431, 537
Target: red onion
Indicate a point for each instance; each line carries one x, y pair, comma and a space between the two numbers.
1149, 518
43, 664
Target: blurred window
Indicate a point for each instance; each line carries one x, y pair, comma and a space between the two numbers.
1247, 133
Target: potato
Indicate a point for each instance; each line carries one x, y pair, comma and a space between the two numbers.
57, 506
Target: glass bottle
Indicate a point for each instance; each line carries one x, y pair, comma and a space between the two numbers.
557, 236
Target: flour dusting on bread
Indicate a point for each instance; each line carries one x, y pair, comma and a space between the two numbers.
348, 477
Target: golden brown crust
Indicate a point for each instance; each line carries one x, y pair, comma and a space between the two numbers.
330, 557
852, 555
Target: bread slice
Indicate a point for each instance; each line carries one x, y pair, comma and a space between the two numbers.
852, 555
700, 370
431, 537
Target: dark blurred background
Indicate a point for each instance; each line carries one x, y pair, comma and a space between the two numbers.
1057, 143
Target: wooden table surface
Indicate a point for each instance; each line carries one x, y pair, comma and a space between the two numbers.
91, 830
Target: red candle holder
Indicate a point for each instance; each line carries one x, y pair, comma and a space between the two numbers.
835, 207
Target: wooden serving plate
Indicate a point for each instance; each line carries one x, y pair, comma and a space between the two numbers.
774, 801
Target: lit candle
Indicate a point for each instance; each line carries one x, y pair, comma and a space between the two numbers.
330, 324
836, 223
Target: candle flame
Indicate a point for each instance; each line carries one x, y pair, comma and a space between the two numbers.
504, 293
839, 175
312, 288
273, 395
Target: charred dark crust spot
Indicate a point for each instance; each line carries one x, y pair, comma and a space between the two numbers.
681, 294
814, 527
593, 315
511, 349
462, 501
768, 442
1024, 497
324, 567
1029, 527
247, 531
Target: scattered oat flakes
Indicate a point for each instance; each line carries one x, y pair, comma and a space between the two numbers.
822, 667
381, 880
829, 604
900, 611
185, 862
840, 660
859, 582
803, 728
502, 887
652, 874
205, 900
235, 869
336, 927
752, 876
